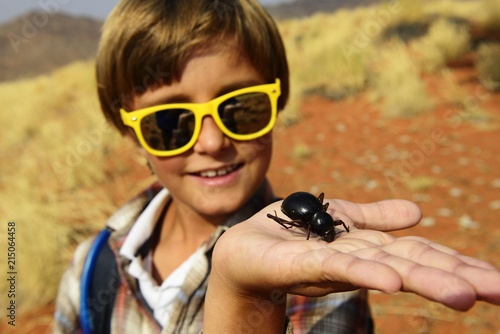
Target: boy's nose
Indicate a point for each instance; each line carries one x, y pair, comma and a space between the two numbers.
211, 139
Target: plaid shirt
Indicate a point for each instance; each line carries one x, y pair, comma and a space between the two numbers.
337, 313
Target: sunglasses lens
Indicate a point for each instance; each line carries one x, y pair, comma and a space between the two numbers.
246, 113
169, 129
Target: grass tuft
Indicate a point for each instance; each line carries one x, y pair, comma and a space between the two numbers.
445, 42
397, 83
300, 152
491, 10
318, 58
419, 183
487, 64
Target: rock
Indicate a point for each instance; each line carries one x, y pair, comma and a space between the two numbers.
455, 192
445, 212
465, 221
428, 222
494, 205
495, 184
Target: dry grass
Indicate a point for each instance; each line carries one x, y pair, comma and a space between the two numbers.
419, 183
398, 84
487, 60
471, 11
50, 123
410, 12
445, 42
318, 57
337, 55
300, 152
468, 107
491, 14
291, 114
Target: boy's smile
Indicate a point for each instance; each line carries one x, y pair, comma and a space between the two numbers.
219, 172
218, 175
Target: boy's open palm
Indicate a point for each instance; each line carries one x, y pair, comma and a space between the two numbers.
259, 256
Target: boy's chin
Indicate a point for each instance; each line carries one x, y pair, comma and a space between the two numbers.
218, 205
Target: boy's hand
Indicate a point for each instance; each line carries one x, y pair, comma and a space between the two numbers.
259, 257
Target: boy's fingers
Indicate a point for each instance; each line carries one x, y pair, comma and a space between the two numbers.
386, 215
480, 275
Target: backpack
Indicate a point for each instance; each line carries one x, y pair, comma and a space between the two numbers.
99, 283
100, 280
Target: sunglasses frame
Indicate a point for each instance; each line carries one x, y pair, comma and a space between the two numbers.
200, 110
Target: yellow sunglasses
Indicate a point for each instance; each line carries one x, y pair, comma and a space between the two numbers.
170, 129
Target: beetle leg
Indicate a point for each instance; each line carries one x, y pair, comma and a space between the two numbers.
282, 221
308, 231
340, 222
321, 197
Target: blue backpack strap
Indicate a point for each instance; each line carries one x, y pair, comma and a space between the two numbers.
89, 298
98, 287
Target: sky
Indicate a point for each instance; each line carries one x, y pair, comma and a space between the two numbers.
10, 9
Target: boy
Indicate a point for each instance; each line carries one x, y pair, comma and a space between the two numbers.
198, 85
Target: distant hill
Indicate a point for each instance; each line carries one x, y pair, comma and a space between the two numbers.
301, 8
38, 43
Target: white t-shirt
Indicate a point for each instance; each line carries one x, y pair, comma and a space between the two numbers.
159, 297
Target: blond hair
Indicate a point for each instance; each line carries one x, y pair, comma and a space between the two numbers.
147, 43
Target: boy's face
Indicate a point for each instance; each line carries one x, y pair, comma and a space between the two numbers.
218, 175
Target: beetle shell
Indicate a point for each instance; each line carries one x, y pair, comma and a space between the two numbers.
301, 206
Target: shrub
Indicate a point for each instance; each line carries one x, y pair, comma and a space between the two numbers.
397, 83
492, 13
487, 64
419, 183
445, 41
300, 152
291, 114
317, 59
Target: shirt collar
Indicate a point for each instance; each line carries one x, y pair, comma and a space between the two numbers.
144, 225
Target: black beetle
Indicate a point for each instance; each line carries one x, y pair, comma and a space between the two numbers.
308, 212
